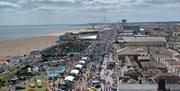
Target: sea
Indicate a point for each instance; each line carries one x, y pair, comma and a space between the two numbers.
9, 32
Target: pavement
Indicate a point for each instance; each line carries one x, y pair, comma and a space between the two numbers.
106, 74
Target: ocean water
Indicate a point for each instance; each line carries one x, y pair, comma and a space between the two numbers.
8, 32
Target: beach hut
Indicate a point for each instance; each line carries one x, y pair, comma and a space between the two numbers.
79, 66
69, 78
76, 72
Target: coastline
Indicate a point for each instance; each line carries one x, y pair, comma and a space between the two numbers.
23, 46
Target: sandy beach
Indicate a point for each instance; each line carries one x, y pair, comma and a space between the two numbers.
25, 45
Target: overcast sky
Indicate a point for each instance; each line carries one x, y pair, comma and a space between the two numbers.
32, 12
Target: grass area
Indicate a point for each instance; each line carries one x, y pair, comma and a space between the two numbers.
7, 76
5, 88
44, 86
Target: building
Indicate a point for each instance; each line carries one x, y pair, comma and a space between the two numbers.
143, 41
138, 87
70, 36
87, 38
128, 27
167, 58
89, 32
124, 22
82, 36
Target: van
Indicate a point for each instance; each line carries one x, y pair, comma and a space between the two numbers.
39, 83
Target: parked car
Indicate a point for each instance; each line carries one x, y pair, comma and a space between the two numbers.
22, 78
96, 84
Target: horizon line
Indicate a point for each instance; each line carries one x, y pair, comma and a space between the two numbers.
90, 23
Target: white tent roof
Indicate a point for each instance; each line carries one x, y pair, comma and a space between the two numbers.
75, 71
78, 66
84, 58
82, 61
70, 78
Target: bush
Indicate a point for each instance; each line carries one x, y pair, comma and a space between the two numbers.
24, 71
2, 82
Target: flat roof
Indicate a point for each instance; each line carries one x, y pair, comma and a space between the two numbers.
132, 51
143, 57
138, 87
152, 64
144, 39
87, 36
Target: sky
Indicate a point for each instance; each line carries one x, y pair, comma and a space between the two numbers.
37, 12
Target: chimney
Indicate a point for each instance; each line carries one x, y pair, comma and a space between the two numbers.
162, 84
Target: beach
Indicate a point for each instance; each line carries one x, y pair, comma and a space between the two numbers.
26, 45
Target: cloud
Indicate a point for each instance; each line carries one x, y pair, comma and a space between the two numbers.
99, 3
91, 10
59, 6
161, 1
8, 6
50, 2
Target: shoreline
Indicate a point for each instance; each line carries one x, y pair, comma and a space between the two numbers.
21, 46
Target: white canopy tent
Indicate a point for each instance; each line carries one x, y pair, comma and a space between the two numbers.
75, 71
84, 58
82, 62
79, 66
70, 78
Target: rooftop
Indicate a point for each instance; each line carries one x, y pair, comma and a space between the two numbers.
132, 51
144, 39
87, 36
